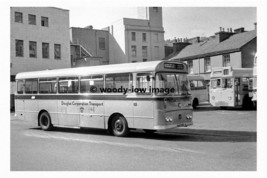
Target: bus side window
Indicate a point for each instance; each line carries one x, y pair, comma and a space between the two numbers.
143, 82
31, 86
123, 80
20, 86
68, 85
48, 85
218, 83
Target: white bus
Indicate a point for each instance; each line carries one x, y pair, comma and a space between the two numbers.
254, 87
230, 87
199, 90
76, 98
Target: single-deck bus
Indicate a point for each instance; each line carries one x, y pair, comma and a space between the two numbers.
113, 97
254, 87
198, 89
230, 87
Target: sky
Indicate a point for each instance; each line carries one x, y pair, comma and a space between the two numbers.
179, 22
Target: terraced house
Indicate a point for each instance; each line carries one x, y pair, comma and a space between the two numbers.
226, 48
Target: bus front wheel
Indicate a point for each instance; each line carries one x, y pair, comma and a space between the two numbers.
119, 126
45, 121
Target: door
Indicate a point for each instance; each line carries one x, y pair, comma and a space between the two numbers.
92, 114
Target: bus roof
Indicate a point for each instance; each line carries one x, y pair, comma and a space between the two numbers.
94, 70
231, 72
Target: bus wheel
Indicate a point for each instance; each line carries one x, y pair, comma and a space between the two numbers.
149, 131
195, 103
119, 126
45, 121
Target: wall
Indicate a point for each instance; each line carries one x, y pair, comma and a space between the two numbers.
248, 52
89, 39
57, 32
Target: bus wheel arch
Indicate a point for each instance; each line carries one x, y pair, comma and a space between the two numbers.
195, 103
118, 125
44, 120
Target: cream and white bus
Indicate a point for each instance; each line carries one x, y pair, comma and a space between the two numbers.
230, 87
254, 87
198, 89
113, 97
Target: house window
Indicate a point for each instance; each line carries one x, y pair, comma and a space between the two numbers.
133, 49
133, 36
18, 17
102, 44
155, 9
32, 49
226, 60
19, 48
190, 67
32, 19
45, 50
57, 51
156, 37
144, 51
156, 51
207, 64
144, 37
44, 21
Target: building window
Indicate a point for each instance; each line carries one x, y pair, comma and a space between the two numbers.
32, 49
45, 50
144, 51
156, 51
190, 67
207, 64
156, 37
32, 19
133, 49
57, 51
133, 36
44, 21
144, 60
144, 37
155, 9
18, 17
102, 44
226, 60
19, 48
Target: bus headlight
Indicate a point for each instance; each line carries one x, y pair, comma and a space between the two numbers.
168, 119
188, 117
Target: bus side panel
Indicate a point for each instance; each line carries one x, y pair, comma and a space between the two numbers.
125, 107
68, 113
143, 114
51, 107
19, 108
92, 114
31, 110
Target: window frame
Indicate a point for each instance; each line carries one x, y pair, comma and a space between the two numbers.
16, 17
30, 20
226, 60
70, 78
44, 51
21, 54
35, 51
144, 37
133, 51
133, 36
41, 80
102, 43
207, 68
55, 56
44, 21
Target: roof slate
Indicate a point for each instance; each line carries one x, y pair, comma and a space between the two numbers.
212, 46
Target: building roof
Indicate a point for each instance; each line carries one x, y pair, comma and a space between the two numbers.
212, 46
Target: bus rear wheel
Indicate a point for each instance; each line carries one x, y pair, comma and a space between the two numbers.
195, 103
45, 121
119, 126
